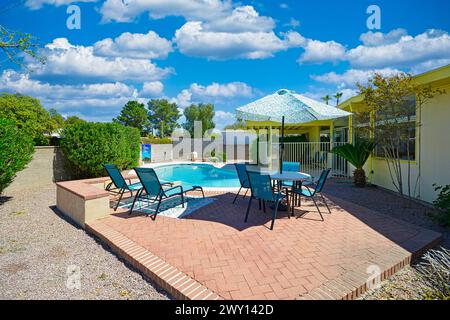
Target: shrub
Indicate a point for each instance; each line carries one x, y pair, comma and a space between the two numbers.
434, 273
442, 203
155, 140
16, 150
87, 146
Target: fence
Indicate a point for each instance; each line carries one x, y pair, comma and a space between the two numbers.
314, 157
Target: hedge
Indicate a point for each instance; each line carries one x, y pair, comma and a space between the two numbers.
87, 146
155, 140
16, 151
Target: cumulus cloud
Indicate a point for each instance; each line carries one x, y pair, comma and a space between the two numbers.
193, 39
92, 101
405, 52
127, 11
213, 92
241, 19
134, 45
151, 89
38, 4
224, 118
65, 59
318, 52
352, 76
373, 39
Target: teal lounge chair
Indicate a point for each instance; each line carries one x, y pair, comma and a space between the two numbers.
152, 189
311, 193
241, 169
118, 182
261, 188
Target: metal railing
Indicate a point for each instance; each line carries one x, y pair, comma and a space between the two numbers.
314, 157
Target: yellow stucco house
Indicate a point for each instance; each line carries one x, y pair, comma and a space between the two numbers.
431, 143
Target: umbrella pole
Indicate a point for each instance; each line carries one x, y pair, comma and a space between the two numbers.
282, 145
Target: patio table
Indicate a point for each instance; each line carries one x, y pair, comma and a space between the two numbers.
297, 178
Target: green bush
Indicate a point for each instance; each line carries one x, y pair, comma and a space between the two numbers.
16, 150
442, 203
154, 140
87, 146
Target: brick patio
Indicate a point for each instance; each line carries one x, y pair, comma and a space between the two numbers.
213, 254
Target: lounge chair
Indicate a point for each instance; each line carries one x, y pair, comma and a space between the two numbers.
119, 182
261, 188
311, 193
243, 179
153, 191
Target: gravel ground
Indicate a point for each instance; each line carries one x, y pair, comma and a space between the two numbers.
404, 284
43, 256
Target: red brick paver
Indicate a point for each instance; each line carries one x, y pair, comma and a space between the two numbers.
302, 257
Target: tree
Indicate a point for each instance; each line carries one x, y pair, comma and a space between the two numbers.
201, 112
357, 155
14, 44
134, 114
57, 118
238, 125
327, 99
163, 116
392, 105
28, 114
338, 97
16, 150
71, 120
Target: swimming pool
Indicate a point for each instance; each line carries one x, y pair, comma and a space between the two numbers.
203, 174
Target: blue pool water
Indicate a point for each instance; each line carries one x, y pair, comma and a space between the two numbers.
204, 175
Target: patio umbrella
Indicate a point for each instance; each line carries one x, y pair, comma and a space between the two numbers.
288, 107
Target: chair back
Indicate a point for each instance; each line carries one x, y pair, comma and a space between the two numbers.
115, 175
260, 185
149, 181
322, 179
242, 174
291, 166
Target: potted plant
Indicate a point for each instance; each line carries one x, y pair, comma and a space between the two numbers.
357, 155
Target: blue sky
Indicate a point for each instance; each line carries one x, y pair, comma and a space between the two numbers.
225, 52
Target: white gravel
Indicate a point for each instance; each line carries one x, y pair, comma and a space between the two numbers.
44, 256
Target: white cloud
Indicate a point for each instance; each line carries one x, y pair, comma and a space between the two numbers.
406, 52
99, 101
374, 39
127, 10
151, 89
319, 52
193, 40
66, 59
352, 76
227, 90
242, 19
215, 92
38, 4
224, 118
293, 23
134, 45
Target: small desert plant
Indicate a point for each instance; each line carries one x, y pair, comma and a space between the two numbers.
442, 203
357, 155
434, 273
16, 150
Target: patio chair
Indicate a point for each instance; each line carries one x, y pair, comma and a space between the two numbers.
261, 189
155, 191
290, 166
119, 182
243, 179
311, 193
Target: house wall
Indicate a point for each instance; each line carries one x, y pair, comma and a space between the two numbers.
432, 156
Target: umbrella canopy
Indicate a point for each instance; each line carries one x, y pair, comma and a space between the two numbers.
296, 108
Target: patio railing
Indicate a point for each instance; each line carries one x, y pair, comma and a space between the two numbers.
314, 157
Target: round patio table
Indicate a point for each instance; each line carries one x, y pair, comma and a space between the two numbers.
296, 178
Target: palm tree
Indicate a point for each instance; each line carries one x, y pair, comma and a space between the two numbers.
357, 155
338, 97
327, 99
